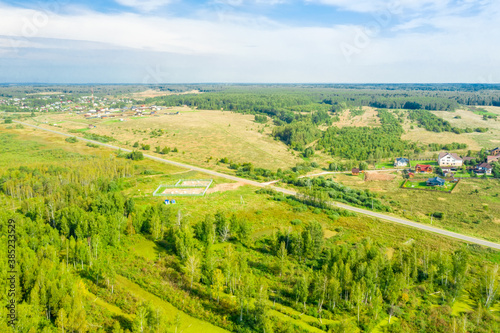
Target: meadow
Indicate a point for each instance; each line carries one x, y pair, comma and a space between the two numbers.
145, 276
202, 137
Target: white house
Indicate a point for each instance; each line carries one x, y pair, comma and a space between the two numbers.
401, 162
449, 159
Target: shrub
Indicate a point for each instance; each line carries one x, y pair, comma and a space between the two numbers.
296, 222
72, 139
135, 156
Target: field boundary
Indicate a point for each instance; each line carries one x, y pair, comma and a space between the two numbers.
198, 187
425, 189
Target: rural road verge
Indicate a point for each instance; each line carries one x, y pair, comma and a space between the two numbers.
381, 216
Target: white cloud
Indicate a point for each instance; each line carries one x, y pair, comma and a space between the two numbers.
144, 5
246, 48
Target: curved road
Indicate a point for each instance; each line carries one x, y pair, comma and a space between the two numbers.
398, 220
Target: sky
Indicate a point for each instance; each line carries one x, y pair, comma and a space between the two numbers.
250, 41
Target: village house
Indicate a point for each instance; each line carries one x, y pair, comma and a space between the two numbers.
495, 152
484, 168
492, 158
436, 181
449, 159
401, 162
423, 168
355, 171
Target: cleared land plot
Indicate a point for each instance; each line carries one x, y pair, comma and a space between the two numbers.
184, 188
382, 176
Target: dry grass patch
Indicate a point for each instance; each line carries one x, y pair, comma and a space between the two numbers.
198, 135
470, 119
150, 93
225, 187
374, 176
422, 136
369, 118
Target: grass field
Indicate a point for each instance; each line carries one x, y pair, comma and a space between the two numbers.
422, 185
198, 135
425, 162
384, 165
488, 140
466, 211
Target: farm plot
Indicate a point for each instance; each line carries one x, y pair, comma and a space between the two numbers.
184, 188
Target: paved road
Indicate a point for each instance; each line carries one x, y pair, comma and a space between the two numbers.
398, 220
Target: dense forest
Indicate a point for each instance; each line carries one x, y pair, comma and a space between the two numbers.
305, 98
73, 225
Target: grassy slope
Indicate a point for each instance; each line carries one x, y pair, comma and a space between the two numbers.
189, 324
200, 134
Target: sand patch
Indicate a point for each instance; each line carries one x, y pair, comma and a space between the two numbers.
442, 199
373, 176
225, 187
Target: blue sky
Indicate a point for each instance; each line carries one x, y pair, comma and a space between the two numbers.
175, 41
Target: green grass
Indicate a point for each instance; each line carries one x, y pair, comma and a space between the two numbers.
145, 248
189, 324
414, 163
463, 304
448, 186
483, 112
384, 165
81, 130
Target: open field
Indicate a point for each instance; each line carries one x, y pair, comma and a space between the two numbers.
198, 135
156, 93
465, 210
368, 118
488, 140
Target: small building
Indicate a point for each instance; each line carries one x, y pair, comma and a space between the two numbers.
447, 171
484, 168
495, 152
449, 159
401, 162
436, 181
492, 158
424, 168
91, 126
355, 171
411, 175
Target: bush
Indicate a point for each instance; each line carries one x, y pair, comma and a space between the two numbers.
135, 156
8, 121
296, 222
72, 139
